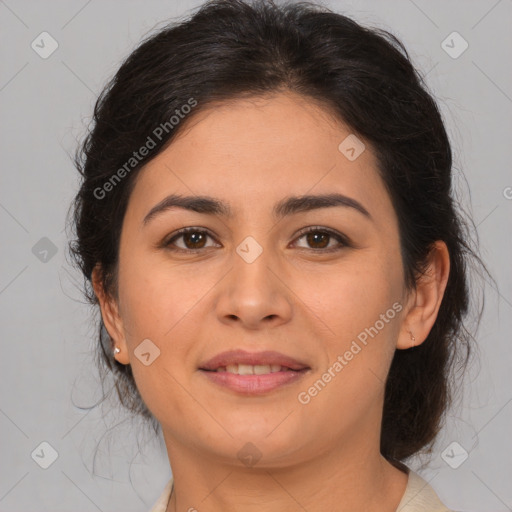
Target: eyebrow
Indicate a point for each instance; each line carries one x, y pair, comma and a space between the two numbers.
286, 207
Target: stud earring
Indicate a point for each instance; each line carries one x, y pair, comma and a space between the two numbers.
413, 339
117, 350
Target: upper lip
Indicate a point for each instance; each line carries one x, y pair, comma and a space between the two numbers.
267, 357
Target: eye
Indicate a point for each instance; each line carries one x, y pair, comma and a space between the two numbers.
320, 237
193, 238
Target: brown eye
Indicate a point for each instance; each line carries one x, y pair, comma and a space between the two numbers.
193, 239
314, 238
318, 239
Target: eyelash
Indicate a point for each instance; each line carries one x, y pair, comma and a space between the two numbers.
314, 229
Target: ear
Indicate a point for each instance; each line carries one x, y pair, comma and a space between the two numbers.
424, 302
111, 318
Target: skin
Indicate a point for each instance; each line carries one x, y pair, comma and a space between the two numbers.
293, 298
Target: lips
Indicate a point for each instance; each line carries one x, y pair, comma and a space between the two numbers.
253, 359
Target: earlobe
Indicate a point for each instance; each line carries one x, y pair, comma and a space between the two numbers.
426, 298
111, 318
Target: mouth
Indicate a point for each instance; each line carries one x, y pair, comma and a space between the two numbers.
257, 369
242, 362
253, 373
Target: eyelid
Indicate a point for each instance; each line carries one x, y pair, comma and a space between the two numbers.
183, 231
341, 238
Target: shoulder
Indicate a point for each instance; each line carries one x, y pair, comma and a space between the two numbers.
419, 496
161, 503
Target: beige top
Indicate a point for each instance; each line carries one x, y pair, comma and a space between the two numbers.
419, 496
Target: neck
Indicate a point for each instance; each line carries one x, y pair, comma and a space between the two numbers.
351, 477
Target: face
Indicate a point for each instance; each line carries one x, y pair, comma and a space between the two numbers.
332, 299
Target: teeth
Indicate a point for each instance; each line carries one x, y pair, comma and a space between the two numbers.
243, 369
261, 369
247, 369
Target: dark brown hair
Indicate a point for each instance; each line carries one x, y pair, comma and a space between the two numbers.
230, 49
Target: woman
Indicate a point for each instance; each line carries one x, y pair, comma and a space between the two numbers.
266, 221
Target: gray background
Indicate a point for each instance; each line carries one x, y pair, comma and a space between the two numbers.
47, 369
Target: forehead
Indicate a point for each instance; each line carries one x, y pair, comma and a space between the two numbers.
245, 150
255, 128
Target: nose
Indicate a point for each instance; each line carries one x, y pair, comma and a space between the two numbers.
255, 294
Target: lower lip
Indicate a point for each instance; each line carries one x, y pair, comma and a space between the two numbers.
254, 384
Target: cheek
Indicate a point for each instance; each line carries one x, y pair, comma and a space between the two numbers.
350, 386
361, 305
158, 306
352, 295
157, 297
